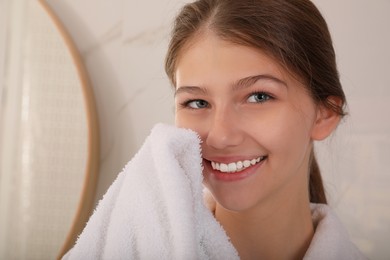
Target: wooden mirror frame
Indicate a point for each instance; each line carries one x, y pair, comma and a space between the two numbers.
86, 200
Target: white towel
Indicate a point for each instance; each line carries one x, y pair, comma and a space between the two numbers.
155, 208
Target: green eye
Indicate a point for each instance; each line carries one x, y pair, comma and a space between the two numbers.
259, 97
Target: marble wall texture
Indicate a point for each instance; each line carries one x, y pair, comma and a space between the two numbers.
123, 44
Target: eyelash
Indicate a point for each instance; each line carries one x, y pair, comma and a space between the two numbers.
186, 104
267, 96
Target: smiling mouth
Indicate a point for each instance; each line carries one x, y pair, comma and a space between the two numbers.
236, 166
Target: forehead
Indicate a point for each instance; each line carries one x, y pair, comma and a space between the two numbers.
208, 57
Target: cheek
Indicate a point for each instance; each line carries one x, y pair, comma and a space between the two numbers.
181, 120
185, 120
284, 132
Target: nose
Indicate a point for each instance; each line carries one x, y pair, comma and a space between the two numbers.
224, 129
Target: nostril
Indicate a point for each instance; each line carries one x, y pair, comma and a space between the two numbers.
223, 138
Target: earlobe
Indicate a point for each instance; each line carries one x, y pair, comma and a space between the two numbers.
326, 121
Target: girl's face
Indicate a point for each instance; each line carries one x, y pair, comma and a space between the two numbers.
255, 121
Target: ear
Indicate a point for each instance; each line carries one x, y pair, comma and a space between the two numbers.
326, 121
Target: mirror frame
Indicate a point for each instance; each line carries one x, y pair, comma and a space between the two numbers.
87, 197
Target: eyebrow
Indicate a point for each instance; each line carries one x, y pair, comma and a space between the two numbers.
191, 90
249, 81
240, 84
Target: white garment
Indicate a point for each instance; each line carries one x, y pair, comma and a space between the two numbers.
154, 209
331, 239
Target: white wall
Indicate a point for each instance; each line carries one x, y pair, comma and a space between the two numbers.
355, 159
123, 43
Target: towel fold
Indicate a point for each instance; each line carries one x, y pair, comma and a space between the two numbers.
155, 209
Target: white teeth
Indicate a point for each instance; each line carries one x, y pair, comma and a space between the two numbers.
223, 167
232, 167
247, 163
215, 165
235, 166
240, 165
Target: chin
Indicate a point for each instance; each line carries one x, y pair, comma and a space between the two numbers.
232, 199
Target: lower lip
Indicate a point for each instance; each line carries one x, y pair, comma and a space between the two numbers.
236, 176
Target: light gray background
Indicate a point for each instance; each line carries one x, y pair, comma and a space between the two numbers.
123, 44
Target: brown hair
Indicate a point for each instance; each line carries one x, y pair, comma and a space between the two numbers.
291, 31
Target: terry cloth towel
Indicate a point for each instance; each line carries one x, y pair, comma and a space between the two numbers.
155, 209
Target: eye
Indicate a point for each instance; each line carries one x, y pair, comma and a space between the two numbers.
196, 104
259, 97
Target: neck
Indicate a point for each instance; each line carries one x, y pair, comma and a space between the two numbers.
270, 231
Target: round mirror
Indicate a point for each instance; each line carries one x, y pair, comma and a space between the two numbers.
49, 147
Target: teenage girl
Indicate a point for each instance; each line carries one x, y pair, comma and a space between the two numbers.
257, 80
